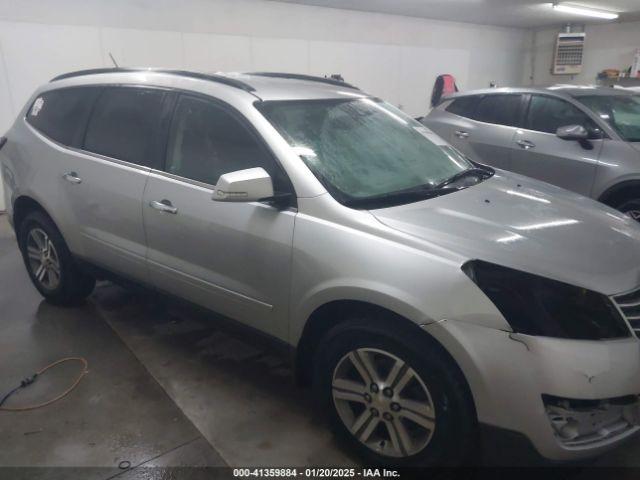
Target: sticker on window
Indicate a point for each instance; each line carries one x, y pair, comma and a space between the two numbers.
37, 106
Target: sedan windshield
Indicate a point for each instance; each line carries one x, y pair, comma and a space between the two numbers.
367, 153
622, 112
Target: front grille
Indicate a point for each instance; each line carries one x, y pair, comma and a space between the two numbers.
629, 305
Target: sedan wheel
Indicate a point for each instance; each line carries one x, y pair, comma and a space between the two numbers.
383, 402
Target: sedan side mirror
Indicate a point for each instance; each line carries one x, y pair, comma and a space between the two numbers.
572, 132
251, 185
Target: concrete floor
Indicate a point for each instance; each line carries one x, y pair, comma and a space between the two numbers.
168, 388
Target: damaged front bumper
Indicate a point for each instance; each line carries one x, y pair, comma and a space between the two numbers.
588, 423
572, 399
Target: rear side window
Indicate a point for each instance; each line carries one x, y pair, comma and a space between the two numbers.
207, 141
499, 109
62, 114
547, 114
465, 106
126, 124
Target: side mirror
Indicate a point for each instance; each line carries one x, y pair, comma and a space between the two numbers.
572, 132
251, 185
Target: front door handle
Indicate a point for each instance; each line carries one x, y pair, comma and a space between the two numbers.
526, 144
163, 206
72, 177
461, 134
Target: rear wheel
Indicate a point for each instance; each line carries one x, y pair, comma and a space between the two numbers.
397, 400
49, 263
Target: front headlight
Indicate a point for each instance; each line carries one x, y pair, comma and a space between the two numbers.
536, 305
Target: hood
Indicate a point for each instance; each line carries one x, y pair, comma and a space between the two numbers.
532, 226
635, 145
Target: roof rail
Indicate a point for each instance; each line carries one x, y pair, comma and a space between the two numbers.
309, 78
232, 82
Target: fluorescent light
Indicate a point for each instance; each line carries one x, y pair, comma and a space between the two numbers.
587, 12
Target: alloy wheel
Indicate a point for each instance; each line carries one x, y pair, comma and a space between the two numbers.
383, 402
43, 259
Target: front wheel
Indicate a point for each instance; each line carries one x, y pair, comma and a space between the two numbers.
631, 208
49, 262
398, 403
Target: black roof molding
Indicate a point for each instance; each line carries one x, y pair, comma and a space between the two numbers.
309, 78
232, 82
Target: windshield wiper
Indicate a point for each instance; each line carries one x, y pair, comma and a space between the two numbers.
414, 194
418, 193
460, 175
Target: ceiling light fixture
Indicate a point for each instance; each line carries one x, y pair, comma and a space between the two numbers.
587, 12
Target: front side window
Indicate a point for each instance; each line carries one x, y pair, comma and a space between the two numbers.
499, 109
364, 150
126, 124
207, 141
547, 114
621, 112
62, 114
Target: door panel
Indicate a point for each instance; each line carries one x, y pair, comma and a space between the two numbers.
107, 205
488, 144
125, 135
537, 152
481, 126
233, 258
548, 158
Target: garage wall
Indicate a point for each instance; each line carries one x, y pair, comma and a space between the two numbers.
610, 45
394, 57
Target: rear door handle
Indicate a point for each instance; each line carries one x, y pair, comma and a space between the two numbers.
163, 206
72, 177
461, 134
526, 144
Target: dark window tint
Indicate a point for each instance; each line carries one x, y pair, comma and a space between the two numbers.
499, 109
465, 106
207, 141
547, 114
62, 114
126, 125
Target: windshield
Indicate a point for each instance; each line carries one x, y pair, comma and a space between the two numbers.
364, 149
621, 112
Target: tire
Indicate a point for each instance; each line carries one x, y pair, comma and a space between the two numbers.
49, 262
453, 437
630, 207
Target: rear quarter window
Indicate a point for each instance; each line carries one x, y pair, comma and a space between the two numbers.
465, 106
62, 114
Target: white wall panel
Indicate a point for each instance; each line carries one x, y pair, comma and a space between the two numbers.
280, 54
6, 112
419, 68
7, 107
374, 68
35, 53
148, 48
217, 53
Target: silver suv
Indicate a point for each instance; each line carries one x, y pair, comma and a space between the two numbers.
431, 301
584, 139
